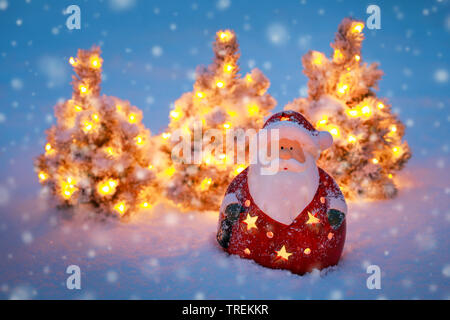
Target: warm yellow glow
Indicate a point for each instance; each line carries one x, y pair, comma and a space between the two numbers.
312, 219
353, 112
72, 61
250, 222
374, 160
380, 106
150, 167
283, 254
239, 169
96, 117
317, 58
95, 62
366, 111
83, 89
42, 176
200, 94
357, 58
227, 125
166, 135
170, 171
204, 185
351, 139
139, 140
87, 126
68, 188
307, 251
48, 147
120, 207
334, 131
228, 68
338, 56
132, 118
78, 108
322, 122
358, 27
219, 84
225, 35
175, 114
232, 113
394, 128
107, 187
390, 175
145, 205
248, 78
253, 109
342, 88
396, 150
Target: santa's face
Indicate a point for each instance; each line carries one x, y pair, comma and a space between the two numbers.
291, 184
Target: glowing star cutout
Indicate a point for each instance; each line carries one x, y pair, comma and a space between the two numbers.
312, 219
283, 254
250, 222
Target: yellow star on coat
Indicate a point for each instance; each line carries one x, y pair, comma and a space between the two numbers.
312, 219
250, 221
283, 254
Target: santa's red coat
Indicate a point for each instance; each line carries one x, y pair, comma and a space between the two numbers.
305, 244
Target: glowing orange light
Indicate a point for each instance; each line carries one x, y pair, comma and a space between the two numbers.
380, 106
307, 251
120, 207
219, 84
225, 35
95, 62
78, 108
48, 147
353, 112
396, 150
357, 58
68, 188
338, 56
390, 176
200, 94
358, 27
166, 135
247, 251
227, 125
317, 58
139, 140
72, 61
239, 169
204, 185
107, 187
170, 171
334, 131
351, 139
228, 68
393, 128
342, 88
87, 126
132, 118
42, 176
375, 161
145, 205
83, 89
175, 114
366, 111
248, 78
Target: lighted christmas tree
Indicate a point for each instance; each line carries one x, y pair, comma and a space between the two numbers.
368, 148
221, 100
98, 152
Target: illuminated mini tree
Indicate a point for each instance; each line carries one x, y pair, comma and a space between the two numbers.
368, 148
221, 100
98, 152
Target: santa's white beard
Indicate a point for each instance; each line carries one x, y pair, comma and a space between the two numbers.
285, 194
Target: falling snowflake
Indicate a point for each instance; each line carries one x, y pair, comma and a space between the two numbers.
441, 76
157, 51
223, 4
277, 34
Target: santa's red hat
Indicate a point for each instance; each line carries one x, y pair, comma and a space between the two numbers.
292, 125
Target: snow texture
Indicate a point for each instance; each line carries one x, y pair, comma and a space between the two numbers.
166, 254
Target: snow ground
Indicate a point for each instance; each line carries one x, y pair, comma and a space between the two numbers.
165, 254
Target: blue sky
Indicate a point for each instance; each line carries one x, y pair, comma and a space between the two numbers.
412, 48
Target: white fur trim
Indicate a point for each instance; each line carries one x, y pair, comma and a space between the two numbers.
320, 140
228, 199
338, 204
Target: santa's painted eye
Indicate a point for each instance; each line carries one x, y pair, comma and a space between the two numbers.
282, 148
290, 148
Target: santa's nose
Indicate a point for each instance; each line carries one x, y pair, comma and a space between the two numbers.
290, 149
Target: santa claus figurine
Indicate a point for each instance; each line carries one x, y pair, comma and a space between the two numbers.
289, 216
